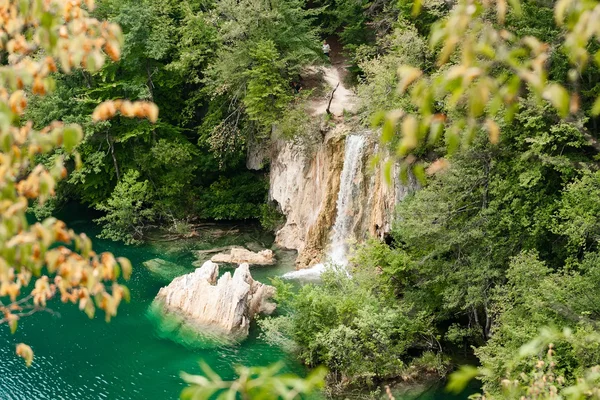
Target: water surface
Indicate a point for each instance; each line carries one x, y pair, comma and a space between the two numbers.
79, 358
130, 357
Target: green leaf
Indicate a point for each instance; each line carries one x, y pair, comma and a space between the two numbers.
516, 5
458, 381
416, 8
435, 132
387, 132
72, 135
13, 323
419, 172
596, 107
387, 171
558, 97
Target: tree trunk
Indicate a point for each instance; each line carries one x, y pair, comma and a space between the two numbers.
111, 147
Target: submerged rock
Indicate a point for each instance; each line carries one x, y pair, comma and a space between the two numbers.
240, 256
222, 307
165, 270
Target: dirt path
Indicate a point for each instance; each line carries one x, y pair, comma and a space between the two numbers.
333, 75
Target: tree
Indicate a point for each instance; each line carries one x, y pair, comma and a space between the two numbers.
264, 45
487, 62
35, 264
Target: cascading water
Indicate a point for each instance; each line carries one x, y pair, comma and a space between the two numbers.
344, 220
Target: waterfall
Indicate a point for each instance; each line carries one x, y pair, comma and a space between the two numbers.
344, 220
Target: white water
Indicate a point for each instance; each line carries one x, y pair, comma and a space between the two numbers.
342, 229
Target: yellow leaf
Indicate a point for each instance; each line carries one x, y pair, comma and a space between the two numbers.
410, 125
125, 267
501, 10
559, 10
493, 130
25, 353
407, 76
439, 165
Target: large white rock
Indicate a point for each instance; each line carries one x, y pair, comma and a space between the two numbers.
218, 308
241, 256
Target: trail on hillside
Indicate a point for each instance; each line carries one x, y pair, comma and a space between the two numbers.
333, 75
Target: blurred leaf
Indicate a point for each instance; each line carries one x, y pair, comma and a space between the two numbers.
458, 381
559, 97
493, 130
416, 8
72, 135
25, 352
596, 107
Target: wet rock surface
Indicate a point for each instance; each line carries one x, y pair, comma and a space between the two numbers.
222, 306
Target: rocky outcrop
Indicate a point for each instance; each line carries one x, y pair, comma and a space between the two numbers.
222, 307
241, 256
307, 190
305, 186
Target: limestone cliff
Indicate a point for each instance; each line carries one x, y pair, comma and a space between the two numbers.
305, 187
222, 307
333, 196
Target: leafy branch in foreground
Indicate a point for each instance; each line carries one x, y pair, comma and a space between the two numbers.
252, 383
484, 69
37, 37
544, 379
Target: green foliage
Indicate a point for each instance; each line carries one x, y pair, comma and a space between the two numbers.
271, 218
378, 88
543, 375
264, 46
126, 210
578, 212
252, 383
239, 197
488, 60
267, 93
541, 297
184, 56
344, 325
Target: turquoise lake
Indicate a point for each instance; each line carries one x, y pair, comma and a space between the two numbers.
129, 358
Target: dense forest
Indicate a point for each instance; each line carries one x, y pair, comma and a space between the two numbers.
492, 107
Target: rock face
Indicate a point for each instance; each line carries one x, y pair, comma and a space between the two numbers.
307, 188
222, 307
241, 256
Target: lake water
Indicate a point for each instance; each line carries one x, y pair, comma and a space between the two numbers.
129, 358
79, 358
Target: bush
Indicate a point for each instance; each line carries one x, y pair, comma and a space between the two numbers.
359, 336
235, 198
126, 210
270, 217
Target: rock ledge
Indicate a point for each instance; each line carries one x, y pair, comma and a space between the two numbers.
240, 256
